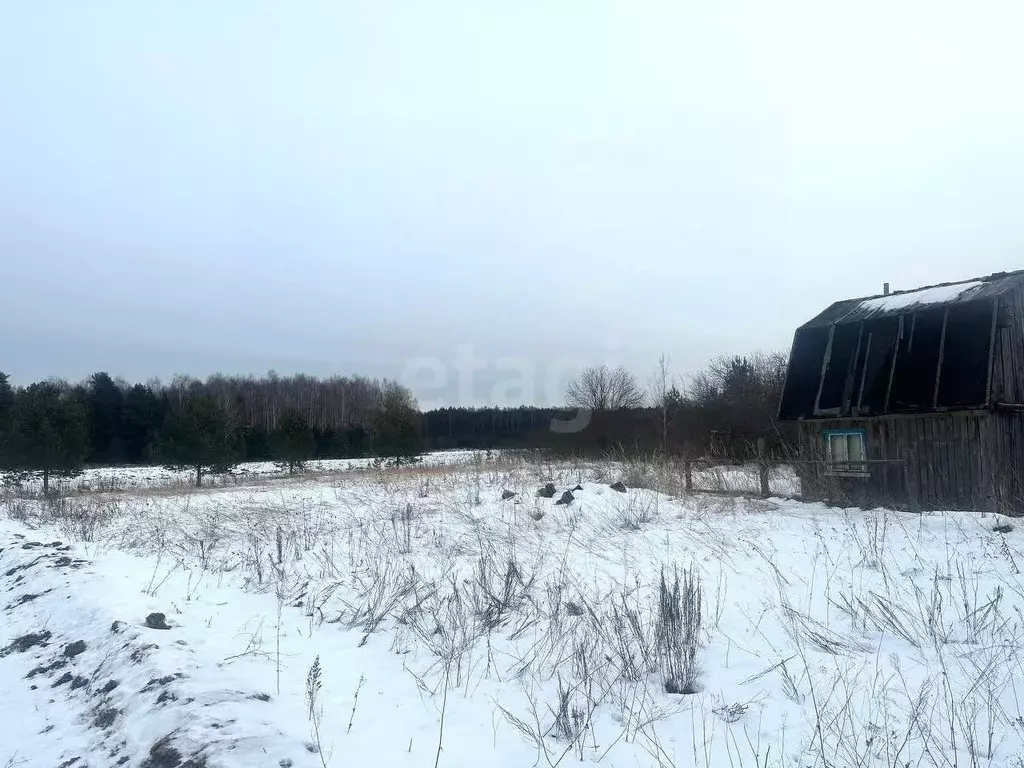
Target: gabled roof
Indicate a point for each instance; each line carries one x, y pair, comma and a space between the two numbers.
899, 302
915, 351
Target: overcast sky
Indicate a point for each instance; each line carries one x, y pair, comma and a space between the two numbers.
388, 187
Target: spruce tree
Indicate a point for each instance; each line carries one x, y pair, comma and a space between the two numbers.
291, 442
396, 427
201, 436
142, 416
6, 398
47, 433
6, 404
104, 402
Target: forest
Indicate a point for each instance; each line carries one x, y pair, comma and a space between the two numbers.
208, 426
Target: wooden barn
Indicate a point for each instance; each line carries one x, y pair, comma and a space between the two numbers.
913, 398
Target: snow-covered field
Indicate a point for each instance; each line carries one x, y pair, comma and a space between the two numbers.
413, 617
109, 479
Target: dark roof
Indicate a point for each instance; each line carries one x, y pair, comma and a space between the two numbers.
900, 302
915, 351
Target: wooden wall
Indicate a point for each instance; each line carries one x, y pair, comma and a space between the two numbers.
930, 461
1006, 446
1008, 359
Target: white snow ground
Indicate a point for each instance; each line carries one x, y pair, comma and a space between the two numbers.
451, 625
108, 479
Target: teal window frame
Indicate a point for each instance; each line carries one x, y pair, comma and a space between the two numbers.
846, 467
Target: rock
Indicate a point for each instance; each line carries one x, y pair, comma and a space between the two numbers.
548, 491
157, 621
506, 495
578, 488
74, 649
618, 486
567, 498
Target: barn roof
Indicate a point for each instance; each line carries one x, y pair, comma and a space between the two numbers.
921, 350
898, 302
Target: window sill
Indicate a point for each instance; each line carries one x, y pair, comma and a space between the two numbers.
847, 473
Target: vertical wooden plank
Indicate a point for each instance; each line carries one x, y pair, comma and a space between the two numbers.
911, 487
873, 451
991, 352
942, 353
1015, 346
1017, 474
997, 457
977, 462
885, 451
943, 428
1013, 469
864, 369
926, 451
892, 367
824, 365
944, 478
907, 438
850, 384
984, 479
956, 456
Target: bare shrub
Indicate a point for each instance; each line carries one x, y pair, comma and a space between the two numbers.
18, 508
502, 594
381, 591
653, 472
81, 521
630, 640
449, 628
401, 527
572, 713
678, 630
637, 511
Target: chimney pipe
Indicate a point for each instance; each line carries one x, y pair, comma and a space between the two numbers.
885, 289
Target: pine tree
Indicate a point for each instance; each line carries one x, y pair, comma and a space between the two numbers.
202, 436
47, 433
6, 397
142, 416
396, 428
104, 402
291, 442
6, 404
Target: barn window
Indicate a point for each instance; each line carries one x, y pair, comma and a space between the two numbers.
846, 452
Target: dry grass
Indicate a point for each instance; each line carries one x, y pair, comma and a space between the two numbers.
884, 639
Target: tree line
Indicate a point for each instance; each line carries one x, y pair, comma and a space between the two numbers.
55, 428
721, 412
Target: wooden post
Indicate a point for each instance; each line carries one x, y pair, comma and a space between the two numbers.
688, 474
762, 467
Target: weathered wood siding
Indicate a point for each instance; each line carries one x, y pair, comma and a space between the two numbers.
1006, 448
928, 461
1008, 359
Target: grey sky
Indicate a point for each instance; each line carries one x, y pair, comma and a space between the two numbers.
343, 187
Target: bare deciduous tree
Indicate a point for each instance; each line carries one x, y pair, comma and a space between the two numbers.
600, 388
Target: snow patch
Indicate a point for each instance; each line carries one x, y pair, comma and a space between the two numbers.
903, 300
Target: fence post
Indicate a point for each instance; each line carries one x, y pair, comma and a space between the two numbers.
762, 467
688, 474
